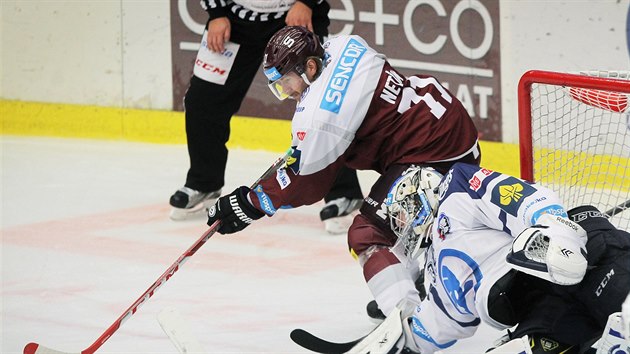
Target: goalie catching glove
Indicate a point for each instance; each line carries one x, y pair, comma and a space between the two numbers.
234, 211
554, 250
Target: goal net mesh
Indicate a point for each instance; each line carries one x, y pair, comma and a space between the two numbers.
581, 143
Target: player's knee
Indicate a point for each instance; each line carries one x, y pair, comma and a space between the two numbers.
363, 236
354, 243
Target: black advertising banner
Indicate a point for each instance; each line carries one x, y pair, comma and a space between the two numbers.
456, 41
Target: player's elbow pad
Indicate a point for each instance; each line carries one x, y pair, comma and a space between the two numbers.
555, 251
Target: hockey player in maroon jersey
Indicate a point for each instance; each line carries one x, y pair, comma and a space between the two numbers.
354, 109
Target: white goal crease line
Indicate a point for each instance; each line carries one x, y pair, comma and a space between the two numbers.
401, 63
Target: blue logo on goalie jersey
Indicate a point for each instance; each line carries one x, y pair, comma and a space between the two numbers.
454, 270
341, 76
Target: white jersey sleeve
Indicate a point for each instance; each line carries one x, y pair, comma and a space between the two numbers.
332, 109
495, 200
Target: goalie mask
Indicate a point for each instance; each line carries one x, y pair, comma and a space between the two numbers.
411, 206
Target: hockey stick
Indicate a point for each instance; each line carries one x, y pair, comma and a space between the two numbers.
35, 348
618, 209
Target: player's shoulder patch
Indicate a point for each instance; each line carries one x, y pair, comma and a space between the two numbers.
510, 193
342, 73
467, 178
476, 182
283, 178
265, 202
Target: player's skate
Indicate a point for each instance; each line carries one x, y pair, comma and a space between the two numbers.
187, 203
332, 214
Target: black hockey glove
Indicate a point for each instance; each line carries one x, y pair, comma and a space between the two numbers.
234, 211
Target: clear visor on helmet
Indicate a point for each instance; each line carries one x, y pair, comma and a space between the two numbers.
288, 85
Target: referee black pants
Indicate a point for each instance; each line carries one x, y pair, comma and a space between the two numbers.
209, 108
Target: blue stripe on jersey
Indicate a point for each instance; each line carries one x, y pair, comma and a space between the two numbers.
341, 76
503, 219
438, 302
457, 289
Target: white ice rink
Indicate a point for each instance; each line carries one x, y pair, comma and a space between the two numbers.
85, 231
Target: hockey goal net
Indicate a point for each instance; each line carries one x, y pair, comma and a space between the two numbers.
574, 132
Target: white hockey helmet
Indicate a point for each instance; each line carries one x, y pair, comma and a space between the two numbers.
412, 202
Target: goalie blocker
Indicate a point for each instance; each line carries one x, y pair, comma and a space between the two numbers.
569, 314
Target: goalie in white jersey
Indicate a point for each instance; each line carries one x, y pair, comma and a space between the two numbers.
505, 252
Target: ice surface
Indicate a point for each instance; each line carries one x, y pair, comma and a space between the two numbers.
85, 231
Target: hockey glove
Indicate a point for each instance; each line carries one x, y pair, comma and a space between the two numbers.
554, 250
234, 211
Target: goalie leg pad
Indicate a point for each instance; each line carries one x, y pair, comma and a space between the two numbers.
613, 339
384, 339
393, 336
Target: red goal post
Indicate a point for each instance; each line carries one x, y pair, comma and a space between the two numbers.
574, 137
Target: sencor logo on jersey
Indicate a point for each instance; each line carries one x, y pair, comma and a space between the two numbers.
341, 76
510, 193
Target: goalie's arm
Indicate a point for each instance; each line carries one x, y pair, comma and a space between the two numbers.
547, 244
554, 250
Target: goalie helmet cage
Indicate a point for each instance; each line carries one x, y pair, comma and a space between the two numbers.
574, 137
